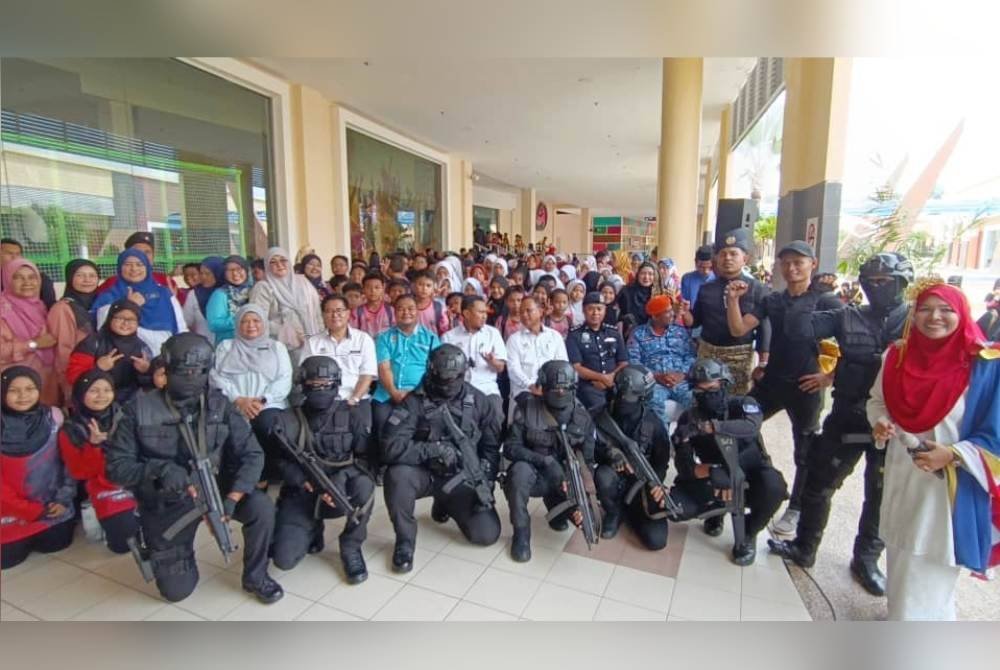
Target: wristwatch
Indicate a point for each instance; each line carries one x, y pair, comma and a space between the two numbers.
32, 345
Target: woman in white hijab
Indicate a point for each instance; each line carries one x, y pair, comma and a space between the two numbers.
452, 271
567, 273
255, 373
576, 306
500, 268
476, 287
290, 301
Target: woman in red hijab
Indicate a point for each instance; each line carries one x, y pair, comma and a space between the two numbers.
935, 408
24, 335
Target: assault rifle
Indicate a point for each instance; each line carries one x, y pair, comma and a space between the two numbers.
470, 472
644, 472
578, 496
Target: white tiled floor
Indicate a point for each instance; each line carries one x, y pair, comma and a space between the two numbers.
451, 580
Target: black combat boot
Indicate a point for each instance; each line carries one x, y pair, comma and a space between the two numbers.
520, 546
713, 525
268, 591
354, 566
402, 559
318, 543
793, 551
559, 523
867, 573
438, 513
612, 520
745, 553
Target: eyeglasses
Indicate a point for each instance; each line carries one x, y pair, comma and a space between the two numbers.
336, 312
124, 319
278, 261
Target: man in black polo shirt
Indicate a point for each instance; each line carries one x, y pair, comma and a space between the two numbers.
791, 380
709, 312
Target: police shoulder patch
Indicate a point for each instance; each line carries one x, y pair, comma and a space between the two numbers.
751, 407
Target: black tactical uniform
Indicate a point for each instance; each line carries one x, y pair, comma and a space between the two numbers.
791, 358
148, 454
631, 412
330, 430
424, 458
863, 333
600, 350
537, 459
737, 417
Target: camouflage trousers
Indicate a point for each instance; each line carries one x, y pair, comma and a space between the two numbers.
738, 358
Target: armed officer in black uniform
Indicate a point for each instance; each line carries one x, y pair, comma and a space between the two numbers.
150, 452
597, 351
863, 334
330, 430
732, 253
423, 449
537, 459
704, 480
615, 477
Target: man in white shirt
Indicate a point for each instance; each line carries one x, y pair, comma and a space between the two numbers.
353, 349
528, 349
483, 346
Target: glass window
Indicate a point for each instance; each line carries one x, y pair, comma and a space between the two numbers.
395, 197
93, 149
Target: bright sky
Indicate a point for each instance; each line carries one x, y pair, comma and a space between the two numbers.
903, 108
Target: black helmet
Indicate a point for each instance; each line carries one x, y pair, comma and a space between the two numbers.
710, 370
557, 375
557, 380
446, 367
188, 352
320, 368
889, 264
634, 383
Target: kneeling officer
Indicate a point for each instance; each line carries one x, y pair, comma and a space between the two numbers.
717, 448
324, 472
177, 448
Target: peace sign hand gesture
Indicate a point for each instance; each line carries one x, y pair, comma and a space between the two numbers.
97, 436
108, 360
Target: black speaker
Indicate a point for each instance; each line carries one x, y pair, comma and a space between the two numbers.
735, 213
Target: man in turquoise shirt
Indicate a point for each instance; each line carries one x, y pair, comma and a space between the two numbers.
402, 353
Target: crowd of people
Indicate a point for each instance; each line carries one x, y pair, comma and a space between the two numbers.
510, 367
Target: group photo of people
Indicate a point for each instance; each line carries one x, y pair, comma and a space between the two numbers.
287, 391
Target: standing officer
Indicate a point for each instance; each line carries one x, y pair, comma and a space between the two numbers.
150, 453
863, 334
631, 412
332, 431
732, 253
537, 458
792, 379
421, 447
597, 351
704, 480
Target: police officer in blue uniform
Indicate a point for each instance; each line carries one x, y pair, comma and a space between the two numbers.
597, 352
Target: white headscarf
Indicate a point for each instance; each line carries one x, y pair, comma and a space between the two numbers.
258, 355
576, 307
545, 274
502, 263
570, 272
476, 284
454, 273
589, 262
293, 291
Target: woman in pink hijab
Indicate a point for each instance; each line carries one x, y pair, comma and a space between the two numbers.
24, 337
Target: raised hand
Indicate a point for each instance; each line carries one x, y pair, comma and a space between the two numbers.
140, 363
97, 436
737, 289
108, 360
135, 297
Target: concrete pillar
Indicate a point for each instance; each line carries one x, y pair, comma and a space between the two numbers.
317, 148
458, 229
588, 231
725, 153
704, 223
526, 210
812, 154
680, 148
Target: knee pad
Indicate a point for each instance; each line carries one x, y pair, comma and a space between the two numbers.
175, 571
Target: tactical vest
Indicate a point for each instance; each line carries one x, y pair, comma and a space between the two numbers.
431, 427
332, 435
862, 342
540, 429
158, 434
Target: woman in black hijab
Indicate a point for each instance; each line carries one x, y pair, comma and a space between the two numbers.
496, 304
82, 441
37, 491
70, 320
633, 298
312, 269
592, 280
116, 349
